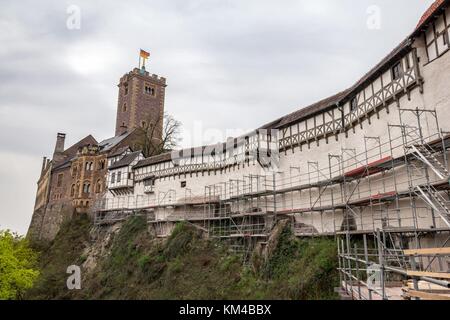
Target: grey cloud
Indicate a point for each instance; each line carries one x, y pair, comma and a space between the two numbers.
229, 64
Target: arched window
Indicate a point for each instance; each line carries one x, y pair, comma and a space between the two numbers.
98, 186
101, 165
86, 187
72, 191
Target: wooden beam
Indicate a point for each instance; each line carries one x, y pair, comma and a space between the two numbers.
427, 296
425, 252
428, 274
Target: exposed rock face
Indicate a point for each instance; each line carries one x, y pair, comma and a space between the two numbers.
263, 252
101, 241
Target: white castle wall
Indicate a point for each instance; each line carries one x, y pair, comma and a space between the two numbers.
294, 166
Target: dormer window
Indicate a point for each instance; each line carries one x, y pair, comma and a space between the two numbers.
353, 104
397, 71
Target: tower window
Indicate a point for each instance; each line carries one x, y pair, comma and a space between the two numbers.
183, 184
124, 107
148, 89
125, 90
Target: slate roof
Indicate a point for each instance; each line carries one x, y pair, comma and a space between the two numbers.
119, 151
154, 160
110, 143
126, 160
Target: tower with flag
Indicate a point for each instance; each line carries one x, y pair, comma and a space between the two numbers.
143, 57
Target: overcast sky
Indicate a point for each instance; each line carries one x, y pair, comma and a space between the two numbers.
231, 66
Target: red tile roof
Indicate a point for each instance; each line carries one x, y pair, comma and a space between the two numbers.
431, 10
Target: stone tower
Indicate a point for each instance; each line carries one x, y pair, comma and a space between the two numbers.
141, 101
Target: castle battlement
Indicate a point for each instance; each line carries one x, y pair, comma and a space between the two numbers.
144, 74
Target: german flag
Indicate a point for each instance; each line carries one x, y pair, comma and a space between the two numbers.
145, 54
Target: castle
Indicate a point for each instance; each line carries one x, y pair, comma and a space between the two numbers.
75, 178
367, 165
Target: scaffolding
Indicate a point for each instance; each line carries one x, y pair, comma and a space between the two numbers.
379, 204
390, 263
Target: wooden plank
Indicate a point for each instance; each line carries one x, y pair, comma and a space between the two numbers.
430, 251
427, 296
428, 274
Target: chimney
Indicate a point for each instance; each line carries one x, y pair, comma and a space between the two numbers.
44, 164
59, 147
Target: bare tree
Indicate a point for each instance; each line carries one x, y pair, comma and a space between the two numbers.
159, 135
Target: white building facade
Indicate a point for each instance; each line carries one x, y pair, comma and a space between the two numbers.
371, 157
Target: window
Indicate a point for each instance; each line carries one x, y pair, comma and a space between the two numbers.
397, 71
101, 165
149, 182
353, 104
408, 63
59, 180
125, 89
98, 186
143, 124
74, 171
124, 107
119, 176
89, 166
72, 191
113, 177
148, 89
87, 188
183, 184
